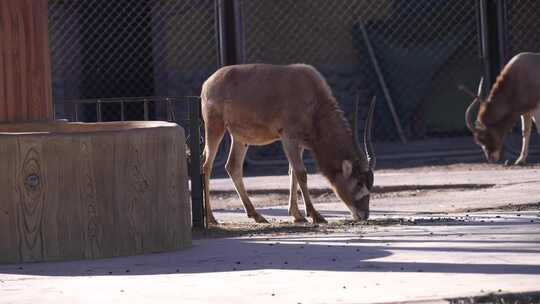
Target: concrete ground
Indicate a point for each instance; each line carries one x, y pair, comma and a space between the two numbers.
399, 193
436, 234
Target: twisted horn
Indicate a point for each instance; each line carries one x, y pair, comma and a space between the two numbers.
368, 145
480, 87
468, 120
477, 100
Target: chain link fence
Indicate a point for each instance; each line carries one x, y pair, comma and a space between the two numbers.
107, 54
523, 22
411, 54
138, 60
424, 50
123, 48
521, 35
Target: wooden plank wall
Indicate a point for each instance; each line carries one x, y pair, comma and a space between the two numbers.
93, 194
25, 73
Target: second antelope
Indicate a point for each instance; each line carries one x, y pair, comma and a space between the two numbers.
259, 104
515, 93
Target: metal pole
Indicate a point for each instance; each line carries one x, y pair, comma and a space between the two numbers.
227, 32
502, 28
382, 82
98, 109
197, 184
238, 22
145, 110
493, 29
485, 43
222, 31
169, 110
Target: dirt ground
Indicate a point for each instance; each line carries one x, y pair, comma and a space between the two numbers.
276, 228
519, 298
228, 202
275, 197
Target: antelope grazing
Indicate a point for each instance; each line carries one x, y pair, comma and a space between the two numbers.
259, 104
516, 92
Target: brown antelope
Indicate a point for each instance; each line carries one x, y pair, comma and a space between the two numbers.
516, 92
261, 103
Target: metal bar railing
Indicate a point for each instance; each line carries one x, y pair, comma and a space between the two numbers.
122, 111
194, 139
98, 110
197, 181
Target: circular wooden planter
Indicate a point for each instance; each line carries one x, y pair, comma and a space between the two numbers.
77, 190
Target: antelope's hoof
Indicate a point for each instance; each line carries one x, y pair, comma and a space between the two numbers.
520, 162
259, 218
300, 219
318, 219
211, 220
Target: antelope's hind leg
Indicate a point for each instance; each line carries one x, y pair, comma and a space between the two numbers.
293, 199
234, 169
214, 131
526, 124
294, 154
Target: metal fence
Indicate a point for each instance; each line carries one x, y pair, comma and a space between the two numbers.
522, 24
184, 111
102, 50
123, 48
421, 51
411, 54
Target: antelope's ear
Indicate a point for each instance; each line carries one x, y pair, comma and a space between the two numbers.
346, 168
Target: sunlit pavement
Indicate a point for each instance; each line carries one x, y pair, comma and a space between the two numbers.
399, 193
420, 260
435, 252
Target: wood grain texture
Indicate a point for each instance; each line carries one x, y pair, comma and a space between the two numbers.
31, 191
79, 192
25, 72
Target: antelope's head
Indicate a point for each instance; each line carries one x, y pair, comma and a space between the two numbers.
488, 139
355, 181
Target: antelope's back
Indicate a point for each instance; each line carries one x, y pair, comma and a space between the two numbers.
263, 92
519, 82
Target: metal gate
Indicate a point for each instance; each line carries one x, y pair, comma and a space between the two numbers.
411, 54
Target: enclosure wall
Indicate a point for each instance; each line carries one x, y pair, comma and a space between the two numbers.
25, 79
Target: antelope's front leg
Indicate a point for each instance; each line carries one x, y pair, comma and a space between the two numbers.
526, 124
294, 154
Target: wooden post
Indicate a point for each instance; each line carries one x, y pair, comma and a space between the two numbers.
25, 73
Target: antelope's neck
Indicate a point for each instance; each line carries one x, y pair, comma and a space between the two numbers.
332, 143
498, 115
